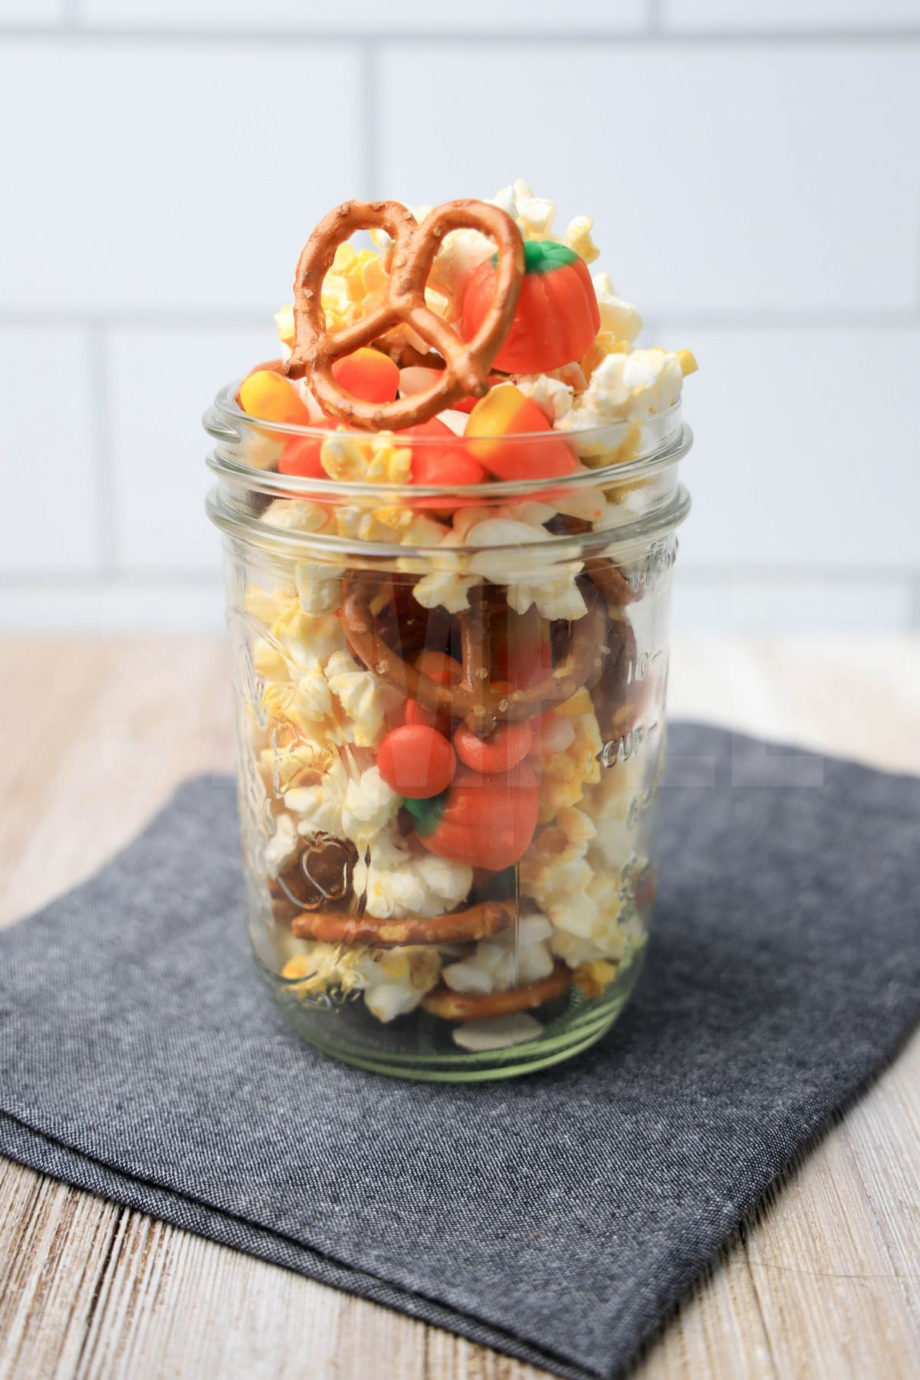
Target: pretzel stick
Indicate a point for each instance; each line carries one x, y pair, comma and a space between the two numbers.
475, 625
610, 581
467, 1006
467, 363
460, 926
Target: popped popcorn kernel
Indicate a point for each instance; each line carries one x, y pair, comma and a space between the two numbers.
578, 237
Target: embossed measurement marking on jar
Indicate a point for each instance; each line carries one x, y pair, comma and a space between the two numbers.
626, 745
655, 567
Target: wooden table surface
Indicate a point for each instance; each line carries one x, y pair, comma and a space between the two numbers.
822, 1282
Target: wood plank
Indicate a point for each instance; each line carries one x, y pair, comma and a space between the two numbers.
822, 1284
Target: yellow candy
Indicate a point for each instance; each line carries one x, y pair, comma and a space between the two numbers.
274, 398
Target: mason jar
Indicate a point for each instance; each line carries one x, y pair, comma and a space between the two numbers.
451, 732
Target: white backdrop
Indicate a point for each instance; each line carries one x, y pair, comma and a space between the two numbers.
751, 166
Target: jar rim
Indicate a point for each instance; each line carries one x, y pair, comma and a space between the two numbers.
225, 417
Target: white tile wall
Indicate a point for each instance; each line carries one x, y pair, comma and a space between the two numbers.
32, 13
722, 178
49, 518
807, 451
760, 199
117, 604
788, 604
161, 381
764, 16
167, 178
397, 17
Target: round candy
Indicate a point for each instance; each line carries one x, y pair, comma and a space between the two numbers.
416, 761
506, 745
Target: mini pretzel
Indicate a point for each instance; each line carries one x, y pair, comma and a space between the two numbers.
480, 1006
414, 248
460, 926
612, 583
474, 698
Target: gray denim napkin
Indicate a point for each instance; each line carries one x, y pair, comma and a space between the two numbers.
558, 1217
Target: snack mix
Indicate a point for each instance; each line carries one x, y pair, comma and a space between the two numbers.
449, 507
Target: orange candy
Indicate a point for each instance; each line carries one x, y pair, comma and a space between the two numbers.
301, 454
367, 374
273, 398
416, 761
498, 420
556, 317
506, 746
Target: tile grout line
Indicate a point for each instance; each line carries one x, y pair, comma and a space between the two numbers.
74, 31
895, 319
37, 581
915, 604
71, 19
106, 537
368, 85
140, 319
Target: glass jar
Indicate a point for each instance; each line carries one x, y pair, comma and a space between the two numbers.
451, 734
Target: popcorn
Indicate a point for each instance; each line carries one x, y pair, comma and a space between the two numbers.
393, 981
376, 459
618, 317
638, 383
578, 237
398, 883
447, 589
284, 766
532, 215
318, 587
396, 980
592, 926
510, 959
360, 698
295, 642
369, 806
525, 572
550, 394
355, 285
318, 807
565, 774
299, 515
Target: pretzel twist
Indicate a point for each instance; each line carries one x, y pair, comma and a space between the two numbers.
460, 926
479, 1006
415, 245
474, 698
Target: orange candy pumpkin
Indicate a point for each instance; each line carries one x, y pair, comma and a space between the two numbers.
556, 318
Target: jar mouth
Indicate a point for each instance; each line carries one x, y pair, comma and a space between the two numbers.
665, 439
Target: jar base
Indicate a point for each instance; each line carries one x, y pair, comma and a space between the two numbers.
351, 1035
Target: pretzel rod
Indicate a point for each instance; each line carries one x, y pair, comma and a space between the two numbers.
467, 363
475, 626
581, 666
476, 922
467, 1006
